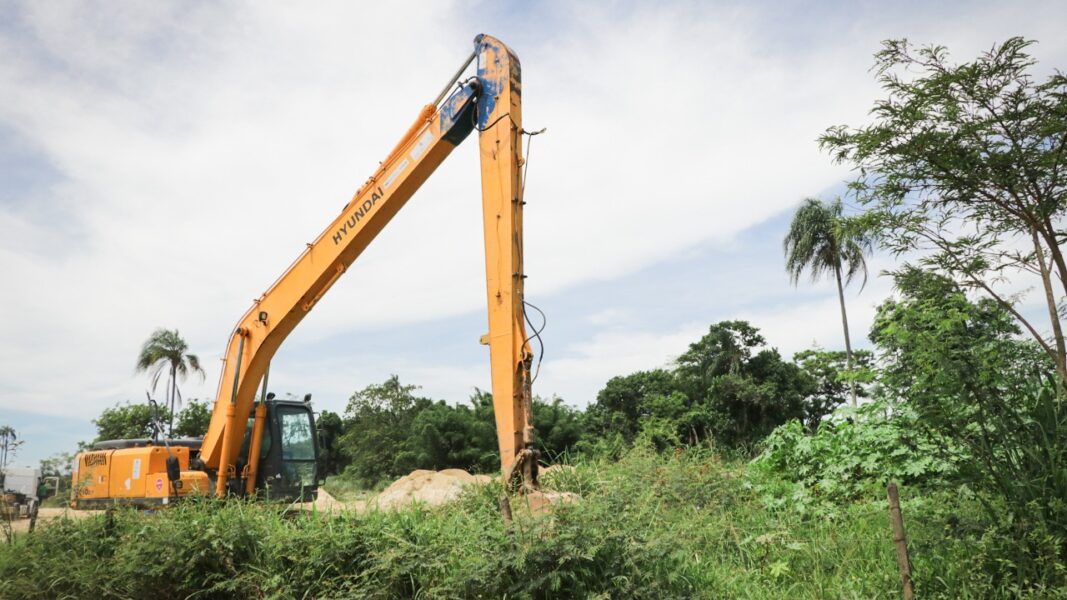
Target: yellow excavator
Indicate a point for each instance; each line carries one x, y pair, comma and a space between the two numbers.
268, 448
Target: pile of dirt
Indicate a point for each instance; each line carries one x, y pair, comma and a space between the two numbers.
435, 488
553, 472
430, 487
544, 502
325, 503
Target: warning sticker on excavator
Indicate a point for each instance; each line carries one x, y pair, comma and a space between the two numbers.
424, 143
159, 484
396, 173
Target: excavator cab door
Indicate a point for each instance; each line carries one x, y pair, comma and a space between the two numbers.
288, 466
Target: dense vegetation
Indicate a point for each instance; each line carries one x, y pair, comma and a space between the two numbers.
128, 420
728, 388
650, 525
735, 472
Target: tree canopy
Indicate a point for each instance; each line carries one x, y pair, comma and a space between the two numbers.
128, 421
727, 387
833, 380
9, 444
965, 167
193, 419
379, 419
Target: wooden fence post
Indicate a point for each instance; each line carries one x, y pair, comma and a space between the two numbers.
33, 516
900, 541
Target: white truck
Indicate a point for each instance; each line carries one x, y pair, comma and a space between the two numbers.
19, 491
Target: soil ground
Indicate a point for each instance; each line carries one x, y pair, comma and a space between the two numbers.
44, 515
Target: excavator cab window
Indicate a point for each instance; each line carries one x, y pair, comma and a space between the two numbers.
298, 443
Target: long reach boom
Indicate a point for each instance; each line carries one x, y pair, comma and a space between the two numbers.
490, 102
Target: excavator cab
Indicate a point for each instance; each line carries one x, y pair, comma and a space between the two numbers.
288, 453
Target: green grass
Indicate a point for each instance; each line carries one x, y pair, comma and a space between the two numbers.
346, 490
59, 501
681, 525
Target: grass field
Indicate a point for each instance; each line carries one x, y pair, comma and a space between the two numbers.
681, 525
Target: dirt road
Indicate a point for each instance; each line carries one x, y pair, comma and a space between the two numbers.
44, 515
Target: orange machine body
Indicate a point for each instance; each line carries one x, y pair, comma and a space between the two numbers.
135, 475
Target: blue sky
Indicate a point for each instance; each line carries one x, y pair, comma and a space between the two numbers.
162, 163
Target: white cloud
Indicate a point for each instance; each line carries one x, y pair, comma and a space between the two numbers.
586, 366
800, 326
609, 316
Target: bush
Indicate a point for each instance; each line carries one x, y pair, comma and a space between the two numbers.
974, 385
850, 457
1019, 469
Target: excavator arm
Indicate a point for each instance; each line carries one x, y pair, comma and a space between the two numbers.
491, 103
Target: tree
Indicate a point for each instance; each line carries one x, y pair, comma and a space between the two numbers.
988, 398
559, 428
133, 421
330, 428
725, 350
738, 389
454, 437
388, 431
938, 347
727, 387
823, 241
624, 400
833, 380
378, 425
9, 444
964, 166
129, 421
193, 419
165, 349
59, 465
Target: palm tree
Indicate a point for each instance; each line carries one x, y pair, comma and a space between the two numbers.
7, 444
823, 241
166, 348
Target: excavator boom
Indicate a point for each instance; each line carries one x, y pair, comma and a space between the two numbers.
489, 102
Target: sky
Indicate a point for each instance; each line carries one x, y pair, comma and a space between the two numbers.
161, 163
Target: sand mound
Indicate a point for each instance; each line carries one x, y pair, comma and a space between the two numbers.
552, 471
325, 503
541, 502
440, 487
435, 488
431, 487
